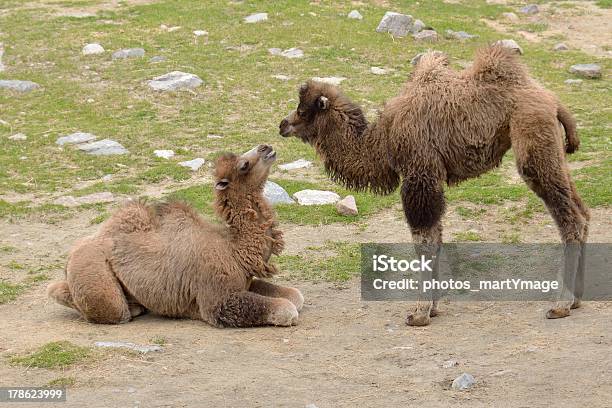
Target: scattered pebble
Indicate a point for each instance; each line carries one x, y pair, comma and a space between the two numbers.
459, 35
298, 164
329, 80
156, 59
211, 136
511, 44
396, 24
281, 77
169, 29
316, 197
105, 147
164, 154
175, 80
289, 53
530, 9
107, 177
355, 15
450, 364
129, 53
256, 18
92, 49
131, 390
510, 16
17, 85
95, 198
275, 194
426, 35
200, 33
147, 348
347, 206
592, 71
573, 81
75, 138
2, 67
463, 382
560, 47
194, 164
18, 136
378, 71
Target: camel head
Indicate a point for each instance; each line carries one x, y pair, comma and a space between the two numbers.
245, 173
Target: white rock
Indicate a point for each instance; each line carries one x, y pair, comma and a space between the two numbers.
275, 194
18, 136
75, 138
131, 346
2, 68
355, 15
281, 77
92, 49
157, 58
107, 177
417, 26
378, 71
194, 164
18, 85
450, 364
463, 382
530, 9
510, 16
256, 18
129, 53
175, 80
347, 206
511, 44
200, 33
560, 47
398, 25
329, 80
592, 71
573, 81
164, 154
316, 197
214, 136
298, 164
289, 53
173, 29
105, 147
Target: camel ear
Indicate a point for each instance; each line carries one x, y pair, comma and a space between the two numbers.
303, 89
322, 102
221, 184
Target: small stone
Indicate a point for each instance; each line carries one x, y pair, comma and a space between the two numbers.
256, 18
92, 49
194, 164
289, 53
2, 68
378, 71
329, 80
298, 164
396, 24
450, 364
573, 81
459, 35
17, 85
281, 77
560, 47
175, 80
107, 177
417, 27
131, 390
530, 9
316, 197
173, 29
164, 154
214, 136
347, 206
463, 382
75, 138
156, 59
511, 44
129, 53
355, 15
503, 373
510, 16
18, 136
275, 194
592, 71
426, 35
146, 348
105, 147
200, 33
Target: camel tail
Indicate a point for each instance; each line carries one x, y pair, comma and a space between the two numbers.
569, 124
499, 65
60, 292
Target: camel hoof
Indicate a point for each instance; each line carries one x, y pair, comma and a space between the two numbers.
576, 304
558, 312
285, 314
433, 312
418, 318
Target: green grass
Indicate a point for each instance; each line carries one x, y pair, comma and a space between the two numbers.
467, 236
159, 340
340, 262
58, 354
604, 3
61, 382
9, 291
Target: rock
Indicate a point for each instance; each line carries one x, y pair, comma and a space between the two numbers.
131, 390
511, 44
200, 33
129, 53
2, 68
156, 59
329, 80
281, 77
169, 29
347, 206
105, 147
316, 197
17, 85
164, 154
426, 35
275, 194
573, 81
147, 348
396, 24
378, 71
18, 137
107, 177
418, 26
194, 164
256, 18
214, 136
560, 47
510, 16
450, 364
290, 53
175, 80
591, 71
530, 9
355, 15
95, 198
75, 138
298, 164
92, 49
459, 35
463, 382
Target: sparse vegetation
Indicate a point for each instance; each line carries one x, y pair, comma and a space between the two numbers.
334, 262
58, 354
9, 291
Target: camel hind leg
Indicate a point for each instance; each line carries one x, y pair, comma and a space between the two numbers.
60, 292
276, 291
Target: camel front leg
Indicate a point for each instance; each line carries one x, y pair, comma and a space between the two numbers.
248, 309
265, 288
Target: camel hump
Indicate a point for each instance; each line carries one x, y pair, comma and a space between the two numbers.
498, 64
134, 216
429, 65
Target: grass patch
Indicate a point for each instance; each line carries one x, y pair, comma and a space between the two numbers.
61, 382
604, 3
470, 213
7, 249
58, 354
467, 236
159, 340
9, 291
340, 266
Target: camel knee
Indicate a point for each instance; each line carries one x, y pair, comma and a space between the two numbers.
60, 292
423, 203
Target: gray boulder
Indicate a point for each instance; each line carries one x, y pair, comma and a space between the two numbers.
298, 164
129, 53
415, 60
426, 35
105, 147
417, 26
530, 9
275, 194
256, 18
396, 24
17, 85
560, 47
355, 15
75, 138
316, 197
459, 35
93, 49
194, 164
156, 59
463, 382
18, 137
591, 71
175, 80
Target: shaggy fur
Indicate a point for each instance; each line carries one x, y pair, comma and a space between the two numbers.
167, 259
445, 127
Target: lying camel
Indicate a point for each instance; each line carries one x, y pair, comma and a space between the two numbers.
167, 259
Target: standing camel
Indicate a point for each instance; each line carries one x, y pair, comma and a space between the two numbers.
445, 127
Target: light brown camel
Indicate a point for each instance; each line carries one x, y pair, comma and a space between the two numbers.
445, 127
167, 259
